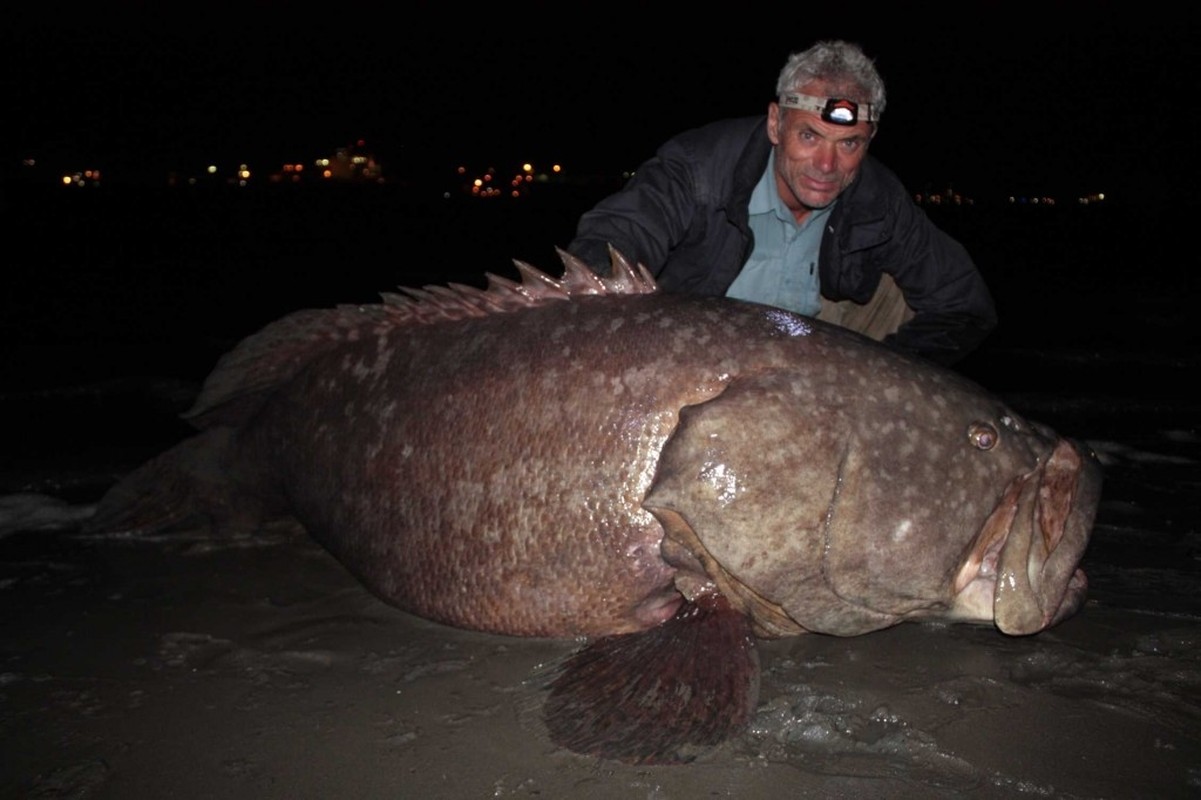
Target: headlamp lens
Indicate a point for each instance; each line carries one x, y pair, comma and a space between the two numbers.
840, 112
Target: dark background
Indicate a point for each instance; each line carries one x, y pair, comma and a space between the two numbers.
992, 97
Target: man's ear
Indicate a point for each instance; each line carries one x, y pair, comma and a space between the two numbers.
773, 122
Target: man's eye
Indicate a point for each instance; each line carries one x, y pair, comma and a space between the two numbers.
851, 145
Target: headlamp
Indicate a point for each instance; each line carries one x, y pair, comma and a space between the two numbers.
835, 110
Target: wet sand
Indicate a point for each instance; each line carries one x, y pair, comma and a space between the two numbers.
190, 667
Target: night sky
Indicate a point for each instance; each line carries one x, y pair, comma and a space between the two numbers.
1057, 98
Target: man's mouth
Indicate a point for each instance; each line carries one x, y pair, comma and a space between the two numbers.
822, 184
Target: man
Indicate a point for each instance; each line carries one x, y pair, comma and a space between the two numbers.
790, 210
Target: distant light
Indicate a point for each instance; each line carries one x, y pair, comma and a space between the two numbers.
527, 167
211, 169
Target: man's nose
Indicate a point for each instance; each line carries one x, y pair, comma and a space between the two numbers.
825, 156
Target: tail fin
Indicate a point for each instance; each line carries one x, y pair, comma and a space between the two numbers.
190, 483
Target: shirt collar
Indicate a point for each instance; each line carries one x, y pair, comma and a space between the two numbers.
764, 197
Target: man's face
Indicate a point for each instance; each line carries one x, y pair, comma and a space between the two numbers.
815, 160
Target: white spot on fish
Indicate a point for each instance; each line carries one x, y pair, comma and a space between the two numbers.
901, 532
723, 480
787, 323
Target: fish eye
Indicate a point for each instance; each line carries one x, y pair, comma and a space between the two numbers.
983, 435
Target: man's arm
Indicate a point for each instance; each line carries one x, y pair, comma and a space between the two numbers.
953, 308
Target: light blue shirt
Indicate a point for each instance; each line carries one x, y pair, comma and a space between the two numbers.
782, 269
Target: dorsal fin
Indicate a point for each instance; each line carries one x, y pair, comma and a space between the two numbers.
249, 372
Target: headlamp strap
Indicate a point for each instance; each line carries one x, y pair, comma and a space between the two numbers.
835, 110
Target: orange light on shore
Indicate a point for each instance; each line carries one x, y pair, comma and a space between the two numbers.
87, 177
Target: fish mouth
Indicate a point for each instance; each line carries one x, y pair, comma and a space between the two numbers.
1029, 550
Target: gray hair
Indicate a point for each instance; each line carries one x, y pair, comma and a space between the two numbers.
842, 65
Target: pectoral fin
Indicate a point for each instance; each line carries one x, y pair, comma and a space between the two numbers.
662, 696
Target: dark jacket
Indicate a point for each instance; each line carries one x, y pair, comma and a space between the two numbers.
684, 216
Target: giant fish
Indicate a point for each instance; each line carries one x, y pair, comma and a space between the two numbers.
665, 478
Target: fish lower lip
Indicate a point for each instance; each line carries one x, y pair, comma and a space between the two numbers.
1039, 580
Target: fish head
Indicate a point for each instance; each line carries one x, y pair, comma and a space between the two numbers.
849, 499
